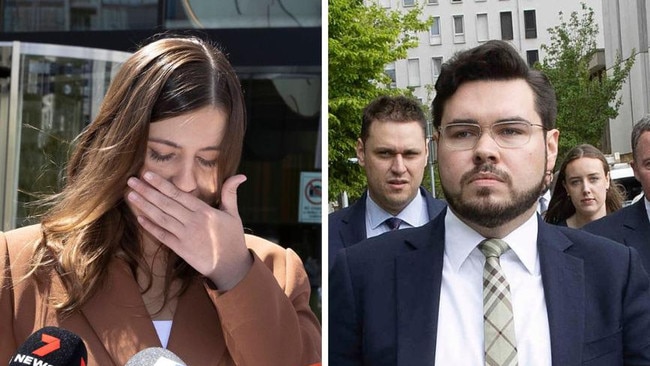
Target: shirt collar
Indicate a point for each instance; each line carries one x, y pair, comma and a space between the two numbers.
413, 214
461, 241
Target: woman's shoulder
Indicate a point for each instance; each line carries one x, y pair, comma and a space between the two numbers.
23, 234
19, 242
17, 249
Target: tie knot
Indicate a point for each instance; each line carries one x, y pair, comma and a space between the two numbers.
493, 247
393, 223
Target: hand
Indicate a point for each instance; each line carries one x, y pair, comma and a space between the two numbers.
208, 239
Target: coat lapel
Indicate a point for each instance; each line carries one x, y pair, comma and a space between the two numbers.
197, 328
564, 287
418, 276
353, 229
119, 317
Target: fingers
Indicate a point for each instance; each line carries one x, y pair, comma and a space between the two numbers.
229, 194
168, 189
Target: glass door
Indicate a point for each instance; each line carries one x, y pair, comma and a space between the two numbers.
57, 92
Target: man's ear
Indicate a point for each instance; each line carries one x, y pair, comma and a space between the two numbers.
552, 138
361, 154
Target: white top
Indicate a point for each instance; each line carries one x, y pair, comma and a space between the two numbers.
163, 328
647, 208
460, 318
413, 215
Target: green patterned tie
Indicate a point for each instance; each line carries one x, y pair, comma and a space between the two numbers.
500, 341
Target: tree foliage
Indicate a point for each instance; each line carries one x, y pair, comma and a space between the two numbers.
363, 39
585, 102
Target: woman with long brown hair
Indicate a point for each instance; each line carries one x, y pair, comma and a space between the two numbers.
584, 191
144, 247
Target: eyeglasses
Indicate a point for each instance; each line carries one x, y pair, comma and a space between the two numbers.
507, 134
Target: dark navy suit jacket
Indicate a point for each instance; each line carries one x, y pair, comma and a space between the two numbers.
348, 226
384, 297
629, 226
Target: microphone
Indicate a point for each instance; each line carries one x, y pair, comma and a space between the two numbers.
51, 346
155, 356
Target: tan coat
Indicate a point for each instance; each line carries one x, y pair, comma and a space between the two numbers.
264, 320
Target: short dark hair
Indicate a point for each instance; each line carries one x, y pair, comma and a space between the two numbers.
493, 60
393, 109
639, 128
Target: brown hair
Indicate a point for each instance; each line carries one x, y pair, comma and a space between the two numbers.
560, 207
394, 109
88, 223
493, 60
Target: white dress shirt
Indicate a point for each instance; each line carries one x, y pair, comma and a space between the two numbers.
647, 207
460, 318
413, 215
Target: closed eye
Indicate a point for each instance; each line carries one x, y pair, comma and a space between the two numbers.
154, 155
208, 163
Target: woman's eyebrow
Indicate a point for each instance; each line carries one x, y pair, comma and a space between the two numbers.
177, 146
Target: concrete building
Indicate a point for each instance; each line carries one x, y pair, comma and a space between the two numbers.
625, 31
463, 24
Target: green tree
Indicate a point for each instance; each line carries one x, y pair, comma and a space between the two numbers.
363, 39
585, 102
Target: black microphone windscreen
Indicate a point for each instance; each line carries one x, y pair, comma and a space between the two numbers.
51, 346
155, 356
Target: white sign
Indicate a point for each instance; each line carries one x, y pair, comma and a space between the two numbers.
311, 197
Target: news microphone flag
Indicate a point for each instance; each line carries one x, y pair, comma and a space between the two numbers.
155, 356
51, 346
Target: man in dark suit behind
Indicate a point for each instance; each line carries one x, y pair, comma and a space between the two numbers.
488, 282
393, 151
631, 225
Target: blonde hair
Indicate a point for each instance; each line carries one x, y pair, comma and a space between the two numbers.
88, 224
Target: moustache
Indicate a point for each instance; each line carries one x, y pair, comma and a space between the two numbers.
482, 169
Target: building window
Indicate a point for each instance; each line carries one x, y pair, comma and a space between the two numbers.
459, 29
434, 32
506, 25
482, 33
409, 2
530, 24
413, 72
456, 1
532, 56
432, 2
436, 65
390, 71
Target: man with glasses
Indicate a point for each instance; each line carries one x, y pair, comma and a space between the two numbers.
488, 282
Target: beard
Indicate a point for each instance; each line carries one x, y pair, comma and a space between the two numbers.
482, 210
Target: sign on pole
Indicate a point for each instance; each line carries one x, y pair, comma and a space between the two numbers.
311, 197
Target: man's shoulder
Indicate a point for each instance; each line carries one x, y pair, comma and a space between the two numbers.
585, 244
395, 243
612, 221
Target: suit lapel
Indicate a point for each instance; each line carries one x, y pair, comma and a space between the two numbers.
563, 281
637, 221
119, 317
197, 328
353, 229
418, 276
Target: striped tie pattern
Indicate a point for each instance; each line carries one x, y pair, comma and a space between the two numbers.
393, 223
499, 327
